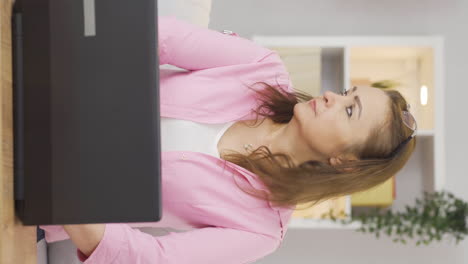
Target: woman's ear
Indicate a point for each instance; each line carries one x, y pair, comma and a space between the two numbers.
334, 161
341, 158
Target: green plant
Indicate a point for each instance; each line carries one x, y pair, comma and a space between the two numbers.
437, 215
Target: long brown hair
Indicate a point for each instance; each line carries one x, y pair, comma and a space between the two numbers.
315, 181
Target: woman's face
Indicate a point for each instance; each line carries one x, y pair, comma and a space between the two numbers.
330, 123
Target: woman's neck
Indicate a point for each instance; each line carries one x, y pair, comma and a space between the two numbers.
279, 138
286, 138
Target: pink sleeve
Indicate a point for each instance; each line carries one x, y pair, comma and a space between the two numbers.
210, 245
193, 47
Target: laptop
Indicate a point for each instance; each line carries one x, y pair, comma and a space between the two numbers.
86, 111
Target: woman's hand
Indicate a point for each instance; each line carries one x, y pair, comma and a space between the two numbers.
86, 237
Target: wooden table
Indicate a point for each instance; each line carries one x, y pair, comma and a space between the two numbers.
17, 242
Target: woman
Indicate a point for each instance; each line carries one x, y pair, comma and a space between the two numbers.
241, 149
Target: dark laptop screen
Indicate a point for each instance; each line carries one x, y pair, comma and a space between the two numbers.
86, 114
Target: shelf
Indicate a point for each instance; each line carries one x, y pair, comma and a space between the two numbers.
333, 69
304, 67
411, 62
425, 133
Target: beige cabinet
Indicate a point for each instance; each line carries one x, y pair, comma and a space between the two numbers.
304, 67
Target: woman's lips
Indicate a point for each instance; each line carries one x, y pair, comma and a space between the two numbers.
312, 103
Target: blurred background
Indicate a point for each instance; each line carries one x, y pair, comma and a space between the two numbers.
363, 42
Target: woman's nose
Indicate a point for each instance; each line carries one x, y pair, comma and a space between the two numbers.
329, 97
332, 98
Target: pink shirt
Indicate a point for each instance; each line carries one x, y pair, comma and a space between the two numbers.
197, 191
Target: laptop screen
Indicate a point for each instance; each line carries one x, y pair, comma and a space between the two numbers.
86, 112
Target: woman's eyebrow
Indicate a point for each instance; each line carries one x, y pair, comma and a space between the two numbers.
358, 101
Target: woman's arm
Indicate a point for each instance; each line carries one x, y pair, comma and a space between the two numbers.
193, 47
86, 237
210, 245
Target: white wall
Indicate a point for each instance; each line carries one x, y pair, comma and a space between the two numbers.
448, 18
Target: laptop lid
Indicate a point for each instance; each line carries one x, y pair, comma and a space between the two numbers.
86, 111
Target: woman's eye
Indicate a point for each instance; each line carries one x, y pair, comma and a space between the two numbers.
349, 111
